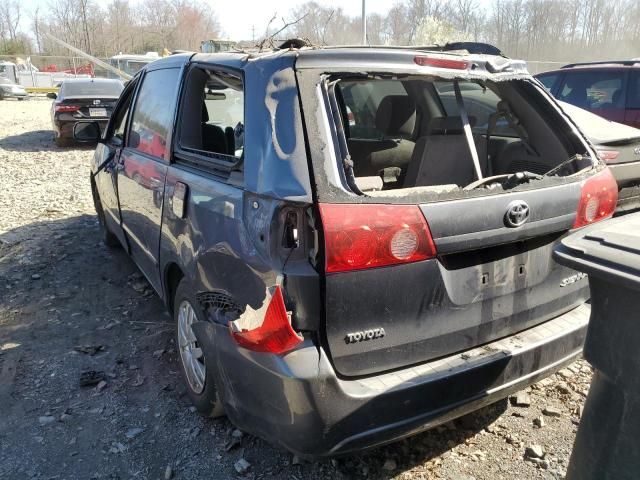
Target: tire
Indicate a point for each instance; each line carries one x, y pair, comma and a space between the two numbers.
107, 237
202, 392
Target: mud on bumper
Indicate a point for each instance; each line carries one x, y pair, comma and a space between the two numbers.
297, 400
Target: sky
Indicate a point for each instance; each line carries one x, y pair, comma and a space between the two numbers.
237, 17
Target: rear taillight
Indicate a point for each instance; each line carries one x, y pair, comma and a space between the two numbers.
608, 156
368, 236
275, 335
597, 200
67, 108
440, 62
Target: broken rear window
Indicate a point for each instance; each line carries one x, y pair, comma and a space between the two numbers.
416, 131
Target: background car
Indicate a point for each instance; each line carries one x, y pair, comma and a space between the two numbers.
82, 99
610, 89
619, 146
10, 89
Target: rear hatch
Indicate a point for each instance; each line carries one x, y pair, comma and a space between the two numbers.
413, 269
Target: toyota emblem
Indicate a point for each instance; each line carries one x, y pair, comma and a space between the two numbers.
517, 214
96, 102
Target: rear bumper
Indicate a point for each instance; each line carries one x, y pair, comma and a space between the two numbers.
65, 127
6, 94
298, 401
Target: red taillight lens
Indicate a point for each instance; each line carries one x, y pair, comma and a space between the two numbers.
439, 62
597, 200
275, 335
608, 155
367, 236
67, 108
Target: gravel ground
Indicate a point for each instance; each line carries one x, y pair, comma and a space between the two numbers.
70, 305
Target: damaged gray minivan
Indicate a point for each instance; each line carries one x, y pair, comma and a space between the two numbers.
353, 246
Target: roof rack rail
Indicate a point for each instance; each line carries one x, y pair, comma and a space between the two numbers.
605, 62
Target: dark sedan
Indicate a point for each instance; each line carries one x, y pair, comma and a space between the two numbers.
619, 146
83, 99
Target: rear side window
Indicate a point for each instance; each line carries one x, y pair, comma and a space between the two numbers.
593, 90
212, 119
362, 101
634, 90
153, 113
548, 80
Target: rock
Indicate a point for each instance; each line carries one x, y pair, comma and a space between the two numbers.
192, 409
296, 460
552, 411
522, 399
133, 432
35, 276
544, 464
89, 349
101, 385
534, 451
579, 411
242, 466
389, 465
46, 419
91, 378
234, 441
539, 421
562, 387
168, 473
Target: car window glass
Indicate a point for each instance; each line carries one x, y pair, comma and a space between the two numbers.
634, 90
362, 99
548, 79
481, 105
121, 122
212, 115
153, 114
108, 88
593, 90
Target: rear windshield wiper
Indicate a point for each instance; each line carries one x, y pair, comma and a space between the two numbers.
507, 181
563, 168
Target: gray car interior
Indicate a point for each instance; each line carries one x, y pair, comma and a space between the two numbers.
196, 131
426, 147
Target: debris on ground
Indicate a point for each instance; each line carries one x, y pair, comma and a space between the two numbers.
242, 466
91, 378
89, 349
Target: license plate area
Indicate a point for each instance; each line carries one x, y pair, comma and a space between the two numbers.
97, 112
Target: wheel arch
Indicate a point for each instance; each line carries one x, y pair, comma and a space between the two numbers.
173, 274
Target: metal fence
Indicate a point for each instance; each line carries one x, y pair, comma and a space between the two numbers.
45, 71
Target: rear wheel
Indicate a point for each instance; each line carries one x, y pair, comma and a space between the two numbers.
196, 370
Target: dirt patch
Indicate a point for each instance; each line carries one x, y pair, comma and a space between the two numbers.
69, 306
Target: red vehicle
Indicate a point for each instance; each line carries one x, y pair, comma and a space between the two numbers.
610, 89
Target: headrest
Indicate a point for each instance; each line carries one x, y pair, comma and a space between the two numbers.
396, 114
448, 125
